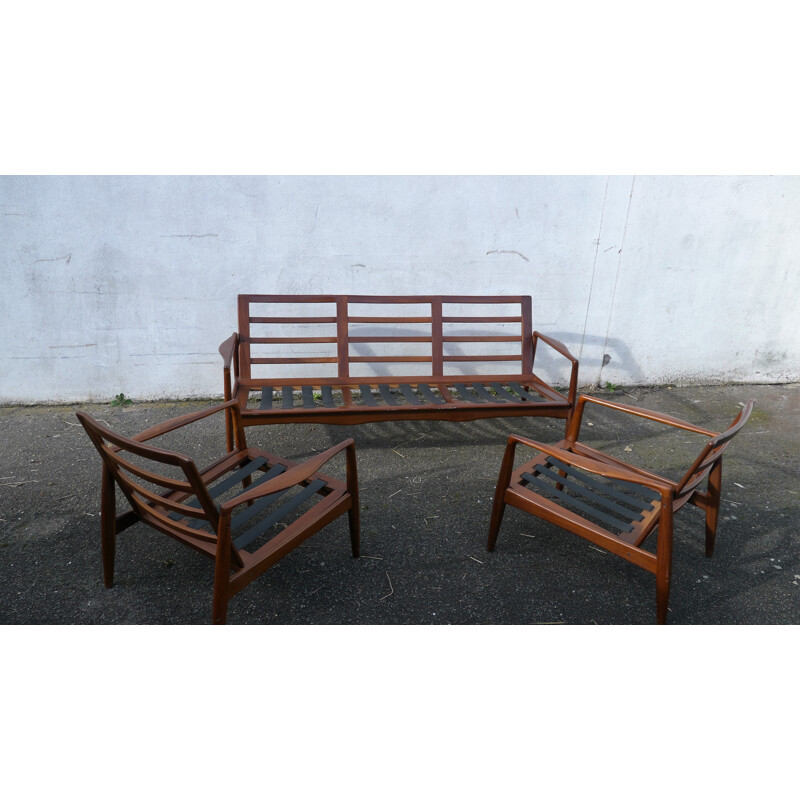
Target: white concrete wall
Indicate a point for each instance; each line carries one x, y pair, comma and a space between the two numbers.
128, 284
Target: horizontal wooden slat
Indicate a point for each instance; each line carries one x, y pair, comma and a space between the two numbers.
315, 360
427, 298
395, 380
179, 528
480, 338
390, 300
483, 358
289, 298
481, 319
389, 319
388, 359
487, 300
157, 500
152, 477
389, 339
293, 339
290, 320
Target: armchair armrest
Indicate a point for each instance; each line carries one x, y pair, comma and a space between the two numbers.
179, 422
604, 469
228, 349
562, 349
290, 478
654, 416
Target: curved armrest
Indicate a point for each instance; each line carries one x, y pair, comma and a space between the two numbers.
228, 349
591, 465
558, 346
293, 476
229, 352
645, 413
562, 349
179, 422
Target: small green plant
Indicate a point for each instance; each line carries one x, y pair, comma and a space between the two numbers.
611, 387
121, 400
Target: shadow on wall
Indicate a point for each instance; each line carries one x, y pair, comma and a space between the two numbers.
593, 353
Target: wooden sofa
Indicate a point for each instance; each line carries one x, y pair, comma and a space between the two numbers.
350, 359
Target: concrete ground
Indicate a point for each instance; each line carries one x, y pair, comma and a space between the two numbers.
426, 494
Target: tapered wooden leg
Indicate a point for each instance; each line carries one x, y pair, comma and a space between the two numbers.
228, 411
354, 514
663, 562
498, 508
108, 526
220, 607
222, 572
712, 509
228, 428
499, 505
355, 530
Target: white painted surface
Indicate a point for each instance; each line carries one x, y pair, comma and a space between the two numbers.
129, 284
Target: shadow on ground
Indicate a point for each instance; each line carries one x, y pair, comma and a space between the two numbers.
426, 492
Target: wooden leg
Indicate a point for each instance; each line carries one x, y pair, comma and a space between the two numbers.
220, 607
663, 562
229, 429
499, 505
226, 377
712, 509
497, 517
222, 572
108, 526
354, 514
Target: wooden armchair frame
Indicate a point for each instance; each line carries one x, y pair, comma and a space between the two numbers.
561, 486
189, 511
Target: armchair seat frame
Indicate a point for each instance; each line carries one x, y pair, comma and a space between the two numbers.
610, 502
225, 511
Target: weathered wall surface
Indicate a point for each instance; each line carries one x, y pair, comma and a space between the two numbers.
128, 284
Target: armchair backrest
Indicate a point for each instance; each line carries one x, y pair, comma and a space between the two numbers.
141, 484
709, 457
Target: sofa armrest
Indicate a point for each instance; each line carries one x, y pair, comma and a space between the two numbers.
561, 349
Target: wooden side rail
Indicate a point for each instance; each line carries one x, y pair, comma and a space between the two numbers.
361, 358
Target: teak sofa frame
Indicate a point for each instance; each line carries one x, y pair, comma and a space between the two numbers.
289, 332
